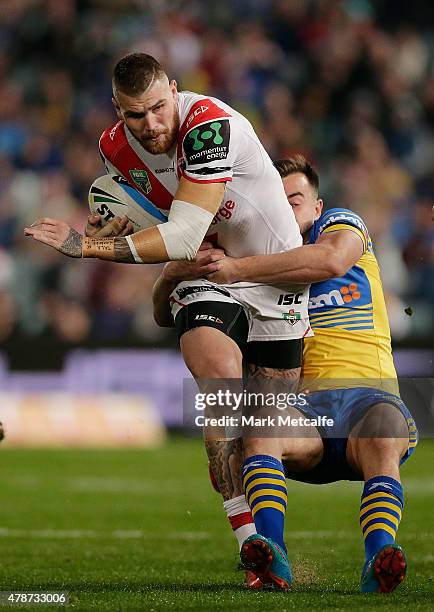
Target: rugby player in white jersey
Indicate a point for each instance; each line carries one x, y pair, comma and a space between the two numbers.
200, 162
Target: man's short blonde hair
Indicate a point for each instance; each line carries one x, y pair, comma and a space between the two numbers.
135, 73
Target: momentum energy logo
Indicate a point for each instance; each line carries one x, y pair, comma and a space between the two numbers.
199, 137
336, 297
207, 142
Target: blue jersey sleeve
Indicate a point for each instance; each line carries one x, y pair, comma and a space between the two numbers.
339, 217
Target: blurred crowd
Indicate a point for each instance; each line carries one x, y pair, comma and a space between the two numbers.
349, 83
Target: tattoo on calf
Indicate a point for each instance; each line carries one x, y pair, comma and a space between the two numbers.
226, 461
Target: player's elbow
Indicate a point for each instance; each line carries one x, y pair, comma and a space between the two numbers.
159, 320
162, 319
183, 233
162, 322
185, 251
336, 266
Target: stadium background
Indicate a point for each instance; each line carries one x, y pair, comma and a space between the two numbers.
349, 83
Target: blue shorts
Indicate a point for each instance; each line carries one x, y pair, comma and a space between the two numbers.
346, 407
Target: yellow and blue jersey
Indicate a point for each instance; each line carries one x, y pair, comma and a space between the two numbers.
348, 364
348, 315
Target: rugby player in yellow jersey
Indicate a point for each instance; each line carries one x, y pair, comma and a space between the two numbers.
348, 367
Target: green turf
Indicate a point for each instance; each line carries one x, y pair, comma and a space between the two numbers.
144, 530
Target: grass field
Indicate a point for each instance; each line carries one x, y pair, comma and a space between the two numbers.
144, 530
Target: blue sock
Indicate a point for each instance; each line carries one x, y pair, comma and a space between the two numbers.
265, 488
380, 512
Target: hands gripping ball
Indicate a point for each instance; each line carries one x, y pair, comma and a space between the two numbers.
111, 196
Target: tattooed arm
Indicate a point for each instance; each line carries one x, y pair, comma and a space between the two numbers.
146, 246
68, 241
179, 239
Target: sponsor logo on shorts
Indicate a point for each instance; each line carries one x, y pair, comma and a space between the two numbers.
205, 317
207, 142
186, 291
288, 299
292, 316
141, 179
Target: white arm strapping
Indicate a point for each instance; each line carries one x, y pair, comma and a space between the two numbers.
133, 250
185, 230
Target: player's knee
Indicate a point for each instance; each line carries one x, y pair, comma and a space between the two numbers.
230, 368
379, 440
381, 447
373, 456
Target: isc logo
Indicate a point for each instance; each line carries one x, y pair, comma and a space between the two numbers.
204, 317
113, 131
200, 109
287, 299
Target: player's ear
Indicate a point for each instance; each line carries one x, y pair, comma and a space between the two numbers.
117, 108
174, 89
318, 208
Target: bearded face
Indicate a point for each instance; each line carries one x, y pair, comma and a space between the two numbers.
153, 116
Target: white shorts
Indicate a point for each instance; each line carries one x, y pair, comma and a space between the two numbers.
274, 313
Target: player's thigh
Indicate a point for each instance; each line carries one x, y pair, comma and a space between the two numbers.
212, 336
209, 353
276, 361
379, 439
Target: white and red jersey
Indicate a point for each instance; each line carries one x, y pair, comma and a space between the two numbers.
215, 144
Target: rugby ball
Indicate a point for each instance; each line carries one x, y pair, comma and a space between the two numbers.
112, 196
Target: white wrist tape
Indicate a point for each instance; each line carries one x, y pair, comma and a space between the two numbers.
133, 250
185, 230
